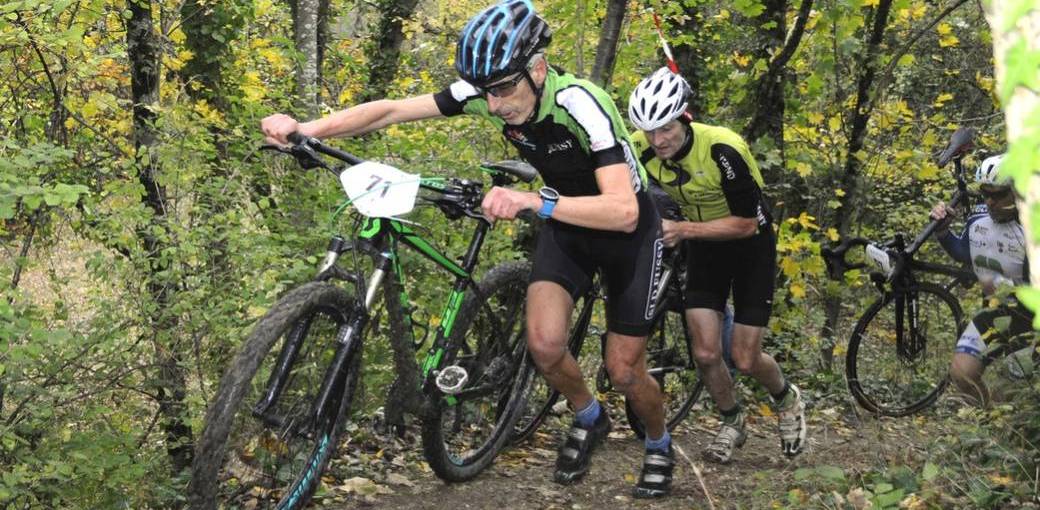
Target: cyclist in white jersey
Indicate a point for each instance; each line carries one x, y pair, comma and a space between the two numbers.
994, 243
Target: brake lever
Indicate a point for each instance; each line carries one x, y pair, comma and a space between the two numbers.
307, 157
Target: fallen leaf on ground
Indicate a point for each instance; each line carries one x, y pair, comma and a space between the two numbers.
363, 486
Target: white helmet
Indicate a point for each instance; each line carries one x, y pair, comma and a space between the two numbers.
989, 172
658, 99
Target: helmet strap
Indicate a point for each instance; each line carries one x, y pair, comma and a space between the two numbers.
537, 94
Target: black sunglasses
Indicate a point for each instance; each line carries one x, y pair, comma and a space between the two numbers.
502, 89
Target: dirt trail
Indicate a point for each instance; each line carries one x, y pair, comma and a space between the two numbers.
521, 476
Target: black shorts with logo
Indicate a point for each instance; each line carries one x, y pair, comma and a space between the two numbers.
747, 266
630, 264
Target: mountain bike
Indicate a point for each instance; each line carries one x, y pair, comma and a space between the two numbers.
277, 415
669, 354
899, 353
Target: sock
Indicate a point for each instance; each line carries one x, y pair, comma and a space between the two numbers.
587, 416
730, 416
779, 397
660, 444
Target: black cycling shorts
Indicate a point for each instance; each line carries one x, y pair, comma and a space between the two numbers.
630, 265
747, 266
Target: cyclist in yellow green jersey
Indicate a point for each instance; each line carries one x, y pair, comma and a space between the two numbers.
710, 173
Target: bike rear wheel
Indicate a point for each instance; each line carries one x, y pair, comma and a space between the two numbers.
669, 361
274, 459
898, 358
464, 432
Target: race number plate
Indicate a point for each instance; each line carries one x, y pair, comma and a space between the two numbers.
378, 190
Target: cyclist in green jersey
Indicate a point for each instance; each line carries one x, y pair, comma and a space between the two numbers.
599, 218
710, 172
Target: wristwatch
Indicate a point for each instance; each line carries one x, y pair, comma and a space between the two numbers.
549, 198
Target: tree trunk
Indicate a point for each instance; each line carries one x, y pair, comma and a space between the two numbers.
384, 53
767, 103
143, 54
1016, 51
690, 58
606, 50
850, 178
305, 37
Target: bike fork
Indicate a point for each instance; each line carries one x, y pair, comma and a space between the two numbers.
349, 337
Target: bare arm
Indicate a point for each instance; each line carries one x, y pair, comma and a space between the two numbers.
721, 229
615, 208
353, 121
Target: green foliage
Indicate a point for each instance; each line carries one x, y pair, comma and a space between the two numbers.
241, 227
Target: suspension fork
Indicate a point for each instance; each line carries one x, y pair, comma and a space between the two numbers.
294, 342
350, 337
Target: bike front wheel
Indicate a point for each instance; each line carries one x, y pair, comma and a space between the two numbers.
462, 433
263, 446
898, 357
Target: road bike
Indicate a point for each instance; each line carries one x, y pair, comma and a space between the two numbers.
899, 352
277, 416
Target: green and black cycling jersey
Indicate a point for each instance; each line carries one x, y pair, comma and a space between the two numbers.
713, 175
576, 130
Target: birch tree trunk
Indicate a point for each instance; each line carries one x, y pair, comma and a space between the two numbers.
305, 36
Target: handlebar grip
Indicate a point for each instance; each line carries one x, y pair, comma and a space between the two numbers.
296, 138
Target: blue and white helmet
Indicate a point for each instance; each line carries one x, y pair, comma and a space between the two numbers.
499, 41
989, 172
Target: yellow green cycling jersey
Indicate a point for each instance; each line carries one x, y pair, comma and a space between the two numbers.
712, 176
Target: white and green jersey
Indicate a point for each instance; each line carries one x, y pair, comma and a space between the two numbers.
576, 130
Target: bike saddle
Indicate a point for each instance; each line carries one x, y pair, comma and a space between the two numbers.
960, 142
518, 169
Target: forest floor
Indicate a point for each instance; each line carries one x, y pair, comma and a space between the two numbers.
377, 471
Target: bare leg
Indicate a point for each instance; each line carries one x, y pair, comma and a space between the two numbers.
626, 364
549, 309
966, 373
705, 324
750, 360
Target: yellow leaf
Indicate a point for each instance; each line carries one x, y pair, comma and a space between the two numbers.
723, 14
871, 3
797, 290
839, 192
789, 266
803, 168
928, 170
1001, 479
177, 36
815, 118
741, 60
832, 234
630, 478
765, 410
806, 221
944, 97
949, 41
834, 123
